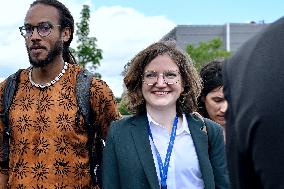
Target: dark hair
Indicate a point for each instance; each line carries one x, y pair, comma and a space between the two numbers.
211, 75
133, 72
65, 20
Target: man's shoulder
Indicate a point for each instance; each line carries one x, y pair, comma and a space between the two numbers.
85, 73
99, 86
2, 83
13, 76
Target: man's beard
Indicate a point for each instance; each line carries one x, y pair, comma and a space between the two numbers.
52, 54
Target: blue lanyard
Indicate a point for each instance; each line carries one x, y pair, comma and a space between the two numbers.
164, 167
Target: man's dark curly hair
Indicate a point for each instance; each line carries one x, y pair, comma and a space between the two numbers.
133, 72
211, 75
65, 20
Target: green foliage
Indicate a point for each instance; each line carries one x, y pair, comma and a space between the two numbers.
122, 109
87, 51
121, 106
206, 52
118, 99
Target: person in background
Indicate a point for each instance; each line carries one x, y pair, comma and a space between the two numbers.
254, 89
163, 144
211, 103
48, 144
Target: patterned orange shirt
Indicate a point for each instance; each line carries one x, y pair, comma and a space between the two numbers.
47, 149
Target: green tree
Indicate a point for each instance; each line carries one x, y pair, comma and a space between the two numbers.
121, 106
206, 52
87, 52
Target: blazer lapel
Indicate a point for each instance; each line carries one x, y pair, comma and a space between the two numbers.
200, 140
142, 143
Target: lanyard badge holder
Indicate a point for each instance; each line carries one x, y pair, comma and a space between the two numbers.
164, 167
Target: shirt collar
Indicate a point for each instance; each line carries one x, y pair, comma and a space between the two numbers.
184, 126
152, 122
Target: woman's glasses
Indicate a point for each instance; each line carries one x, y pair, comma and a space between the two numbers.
170, 77
43, 29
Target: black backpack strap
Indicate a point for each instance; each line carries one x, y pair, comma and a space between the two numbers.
84, 79
8, 96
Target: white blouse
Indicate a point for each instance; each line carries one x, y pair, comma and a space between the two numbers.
184, 170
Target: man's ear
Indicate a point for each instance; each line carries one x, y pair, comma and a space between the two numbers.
66, 33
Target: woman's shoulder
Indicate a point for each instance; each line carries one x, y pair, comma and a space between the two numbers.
118, 127
206, 124
213, 124
123, 127
122, 123
215, 130
125, 119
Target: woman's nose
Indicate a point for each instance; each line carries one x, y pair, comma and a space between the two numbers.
161, 80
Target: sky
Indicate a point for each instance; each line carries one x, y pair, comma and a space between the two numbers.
125, 27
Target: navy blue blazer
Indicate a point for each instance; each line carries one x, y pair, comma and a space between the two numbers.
128, 161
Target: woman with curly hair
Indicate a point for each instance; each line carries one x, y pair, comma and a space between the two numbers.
163, 144
212, 103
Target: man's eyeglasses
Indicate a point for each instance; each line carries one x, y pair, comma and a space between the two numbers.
43, 29
170, 77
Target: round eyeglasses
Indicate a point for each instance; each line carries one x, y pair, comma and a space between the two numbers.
170, 77
43, 29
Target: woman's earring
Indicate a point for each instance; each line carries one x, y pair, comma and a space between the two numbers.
182, 98
142, 101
